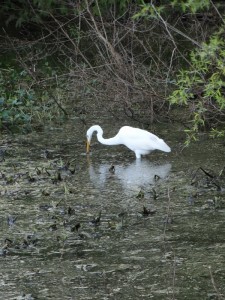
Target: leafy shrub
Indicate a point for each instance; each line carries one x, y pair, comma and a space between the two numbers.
16, 98
202, 88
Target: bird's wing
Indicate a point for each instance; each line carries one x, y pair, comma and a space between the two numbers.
135, 138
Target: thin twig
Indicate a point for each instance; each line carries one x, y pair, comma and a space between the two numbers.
167, 25
214, 6
219, 295
117, 57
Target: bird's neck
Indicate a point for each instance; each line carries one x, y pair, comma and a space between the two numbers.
112, 141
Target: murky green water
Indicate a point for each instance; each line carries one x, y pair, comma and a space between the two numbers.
78, 231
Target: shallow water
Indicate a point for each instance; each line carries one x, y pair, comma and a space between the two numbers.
79, 231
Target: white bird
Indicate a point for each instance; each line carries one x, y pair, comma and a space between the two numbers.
138, 140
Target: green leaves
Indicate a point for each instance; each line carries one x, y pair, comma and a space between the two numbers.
149, 10
191, 5
15, 101
202, 88
217, 133
154, 9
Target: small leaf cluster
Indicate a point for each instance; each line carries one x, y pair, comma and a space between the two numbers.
154, 9
191, 5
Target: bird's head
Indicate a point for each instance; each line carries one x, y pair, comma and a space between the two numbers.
89, 135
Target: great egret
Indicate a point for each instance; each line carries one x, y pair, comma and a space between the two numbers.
138, 140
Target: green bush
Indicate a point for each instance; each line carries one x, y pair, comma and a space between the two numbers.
17, 99
26, 101
201, 88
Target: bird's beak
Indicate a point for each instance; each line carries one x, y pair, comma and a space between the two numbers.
87, 146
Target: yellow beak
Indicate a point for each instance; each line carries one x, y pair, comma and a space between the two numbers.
87, 147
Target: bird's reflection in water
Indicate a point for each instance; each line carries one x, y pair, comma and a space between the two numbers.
131, 176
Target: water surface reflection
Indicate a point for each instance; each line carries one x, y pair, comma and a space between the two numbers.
132, 175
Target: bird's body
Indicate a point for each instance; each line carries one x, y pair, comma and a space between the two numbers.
138, 140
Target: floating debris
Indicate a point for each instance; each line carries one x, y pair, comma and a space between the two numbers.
167, 220
146, 212
75, 228
8, 243
46, 154
140, 195
112, 169
53, 227
154, 194
157, 177
45, 207
38, 171
207, 179
96, 221
70, 211
11, 220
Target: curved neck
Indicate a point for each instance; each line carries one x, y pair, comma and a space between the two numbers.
112, 141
